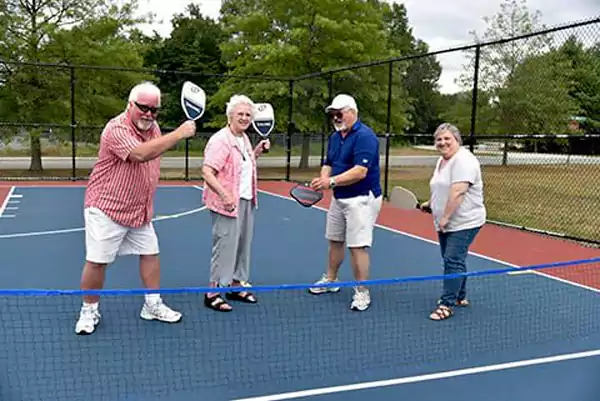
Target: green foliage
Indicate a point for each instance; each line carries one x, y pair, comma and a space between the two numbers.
286, 39
535, 98
498, 61
42, 94
193, 46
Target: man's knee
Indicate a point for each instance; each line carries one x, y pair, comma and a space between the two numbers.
95, 265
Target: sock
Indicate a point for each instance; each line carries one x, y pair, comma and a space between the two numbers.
93, 306
152, 298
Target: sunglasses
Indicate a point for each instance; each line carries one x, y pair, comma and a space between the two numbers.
145, 108
337, 114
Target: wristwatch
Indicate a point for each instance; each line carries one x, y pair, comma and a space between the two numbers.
331, 182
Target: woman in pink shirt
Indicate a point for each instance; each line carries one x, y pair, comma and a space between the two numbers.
230, 193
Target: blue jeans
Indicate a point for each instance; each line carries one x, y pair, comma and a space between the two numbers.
455, 248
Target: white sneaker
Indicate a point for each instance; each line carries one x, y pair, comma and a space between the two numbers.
361, 300
89, 318
159, 311
322, 290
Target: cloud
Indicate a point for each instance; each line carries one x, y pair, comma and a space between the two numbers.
445, 25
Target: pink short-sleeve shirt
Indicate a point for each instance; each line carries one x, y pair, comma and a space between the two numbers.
223, 154
123, 189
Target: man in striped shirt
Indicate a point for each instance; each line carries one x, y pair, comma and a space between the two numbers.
119, 202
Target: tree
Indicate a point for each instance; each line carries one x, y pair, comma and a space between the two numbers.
498, 61
287, 39
193, 46
585, 75
32, 30
419, 76
535, 98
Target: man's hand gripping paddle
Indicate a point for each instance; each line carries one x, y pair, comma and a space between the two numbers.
193, 100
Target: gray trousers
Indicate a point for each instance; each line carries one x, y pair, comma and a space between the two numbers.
231, 244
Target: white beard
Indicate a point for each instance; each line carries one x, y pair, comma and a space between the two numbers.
340, 126
145, 125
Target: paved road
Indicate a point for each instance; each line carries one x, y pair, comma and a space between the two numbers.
22, 163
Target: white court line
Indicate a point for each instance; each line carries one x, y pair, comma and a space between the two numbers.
502, 262
73, 230
422, 378
6, 200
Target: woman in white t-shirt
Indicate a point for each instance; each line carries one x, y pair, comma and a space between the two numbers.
458, 211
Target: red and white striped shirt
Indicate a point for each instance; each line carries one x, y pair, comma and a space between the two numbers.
123, 189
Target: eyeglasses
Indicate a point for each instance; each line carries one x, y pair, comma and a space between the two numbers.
145, 108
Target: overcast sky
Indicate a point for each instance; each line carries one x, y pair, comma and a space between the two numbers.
442, 24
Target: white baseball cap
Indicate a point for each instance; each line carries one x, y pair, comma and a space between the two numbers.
342, 101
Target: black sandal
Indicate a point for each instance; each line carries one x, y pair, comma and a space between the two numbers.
243, 296
441, 313
217, 303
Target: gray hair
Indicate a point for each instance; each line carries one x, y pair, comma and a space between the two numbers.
235, 101
447, 127
145, 87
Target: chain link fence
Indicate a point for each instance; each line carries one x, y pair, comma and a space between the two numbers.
528, 107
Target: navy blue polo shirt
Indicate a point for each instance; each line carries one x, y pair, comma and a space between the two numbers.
359, 147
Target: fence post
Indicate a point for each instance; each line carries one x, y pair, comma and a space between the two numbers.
326, 127
290, 131
73, 124
387, 131
474, 98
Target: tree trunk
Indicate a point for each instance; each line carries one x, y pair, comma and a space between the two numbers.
36, 152
305, 151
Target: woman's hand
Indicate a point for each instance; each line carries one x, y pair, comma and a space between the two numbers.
228, 203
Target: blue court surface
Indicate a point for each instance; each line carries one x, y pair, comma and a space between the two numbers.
524, 337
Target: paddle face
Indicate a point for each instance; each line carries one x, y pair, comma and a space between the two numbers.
306, 196
193, 100
264, 121
402, 198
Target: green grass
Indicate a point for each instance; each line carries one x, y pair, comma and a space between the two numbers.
562, 199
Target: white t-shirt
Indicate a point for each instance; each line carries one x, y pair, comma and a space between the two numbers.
462, 167
246, 176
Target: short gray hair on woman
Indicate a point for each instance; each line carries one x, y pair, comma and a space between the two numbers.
235, 101
447, 127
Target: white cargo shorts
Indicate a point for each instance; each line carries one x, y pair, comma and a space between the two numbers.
105, 239
352, 220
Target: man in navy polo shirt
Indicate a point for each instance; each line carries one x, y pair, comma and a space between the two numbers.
351, 169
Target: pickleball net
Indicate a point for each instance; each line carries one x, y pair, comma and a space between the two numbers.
291, 340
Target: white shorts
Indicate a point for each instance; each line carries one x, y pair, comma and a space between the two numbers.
352, 220
105, 239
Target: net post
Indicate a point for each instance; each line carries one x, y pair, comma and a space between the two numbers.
326, 128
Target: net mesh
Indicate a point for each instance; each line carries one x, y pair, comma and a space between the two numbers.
291, 340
